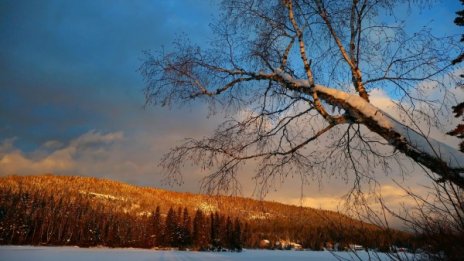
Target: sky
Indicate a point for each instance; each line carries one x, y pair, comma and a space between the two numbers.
71, 100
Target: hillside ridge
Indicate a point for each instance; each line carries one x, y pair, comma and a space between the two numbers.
141, 194
49, 203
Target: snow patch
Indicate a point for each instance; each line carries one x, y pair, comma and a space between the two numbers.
102, 196
207, 208
260, 216
98, 195
26, 253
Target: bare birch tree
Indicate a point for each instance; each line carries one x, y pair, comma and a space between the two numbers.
295, 76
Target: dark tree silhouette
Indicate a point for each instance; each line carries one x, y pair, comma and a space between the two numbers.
237, 236
185, 230
156, 234
171, 229
459, 108
200, 231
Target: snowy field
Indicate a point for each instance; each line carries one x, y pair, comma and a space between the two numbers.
29, 253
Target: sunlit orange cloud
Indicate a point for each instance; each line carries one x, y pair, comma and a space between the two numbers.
63, 160
393, 197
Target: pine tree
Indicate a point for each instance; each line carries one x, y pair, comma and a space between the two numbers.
179, 233
459, 21
221, 230
199, 236
156, 227
459, 109
214, 237
171, 227
229, 234
237, 236
246, 236
185, 229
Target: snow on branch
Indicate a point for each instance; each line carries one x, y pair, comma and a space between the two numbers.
437, 156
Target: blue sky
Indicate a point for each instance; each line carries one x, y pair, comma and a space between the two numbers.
69, 67
70, 89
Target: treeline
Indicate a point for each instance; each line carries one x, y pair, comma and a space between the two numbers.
31, 219
205, 232
52, 210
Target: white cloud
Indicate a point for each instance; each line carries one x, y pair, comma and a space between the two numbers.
129, 158
52, 144
93, 137
395, 196
62, 160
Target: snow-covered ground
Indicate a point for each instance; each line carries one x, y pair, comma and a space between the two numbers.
28, 253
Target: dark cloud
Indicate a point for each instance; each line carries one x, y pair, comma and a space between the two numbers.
71, 66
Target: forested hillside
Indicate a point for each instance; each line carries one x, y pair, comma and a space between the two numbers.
58, 210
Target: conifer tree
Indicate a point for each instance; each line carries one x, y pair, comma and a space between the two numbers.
237, 242
156, 227
215, 240
185, 229
171, 226
229, 234
199, 233
459, 109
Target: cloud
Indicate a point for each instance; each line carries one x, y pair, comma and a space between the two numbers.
329, 203
52, 144
128, 157
393, 195
93, 138
63, 160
